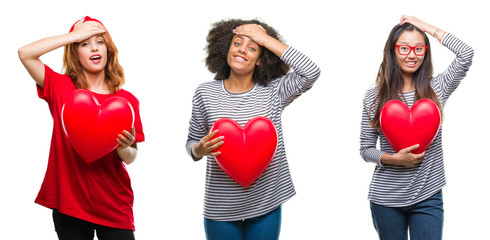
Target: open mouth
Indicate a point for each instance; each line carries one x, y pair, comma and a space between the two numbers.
240, 59
95, 58
411, 63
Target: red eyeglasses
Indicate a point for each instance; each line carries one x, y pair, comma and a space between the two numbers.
419, 50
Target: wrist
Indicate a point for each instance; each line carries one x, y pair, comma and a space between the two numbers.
193, 152
387, 158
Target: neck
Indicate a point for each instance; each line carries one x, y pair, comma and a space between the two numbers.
96, 82
408, 85
239, 83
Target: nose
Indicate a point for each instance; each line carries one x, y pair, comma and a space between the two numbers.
411, 54
93, 46
242, 48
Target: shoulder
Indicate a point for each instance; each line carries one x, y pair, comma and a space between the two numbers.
370, 97
126, 94
371, 93
210, 86
51, 75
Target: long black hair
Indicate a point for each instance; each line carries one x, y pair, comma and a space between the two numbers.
390, 79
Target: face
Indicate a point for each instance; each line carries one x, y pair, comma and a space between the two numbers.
410, 63
92, 54
243, 55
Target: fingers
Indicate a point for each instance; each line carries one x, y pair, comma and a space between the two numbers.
127, 139
84, 30
207, 145
420, 156
254, 31
210, 145
210, 135
411, 148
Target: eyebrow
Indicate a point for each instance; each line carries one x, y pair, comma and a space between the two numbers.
241, 37
405, 43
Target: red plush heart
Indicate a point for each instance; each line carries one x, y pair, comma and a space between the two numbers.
246, 152
404, 127
93, 128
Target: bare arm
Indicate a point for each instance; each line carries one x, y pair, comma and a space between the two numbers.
29, 54
425, 27
404, 157
127, 150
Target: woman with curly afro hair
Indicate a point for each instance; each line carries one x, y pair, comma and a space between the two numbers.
251, 66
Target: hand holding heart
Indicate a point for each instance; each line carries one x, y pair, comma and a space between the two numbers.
206, 145
404, 157
409, 131
94, 129
127, 139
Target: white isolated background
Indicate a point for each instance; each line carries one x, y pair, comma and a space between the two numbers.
161, 45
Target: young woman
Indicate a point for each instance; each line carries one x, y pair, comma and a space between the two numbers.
405, 191
251, 66
85, 196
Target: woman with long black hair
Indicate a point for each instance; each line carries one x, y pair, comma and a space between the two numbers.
405, 192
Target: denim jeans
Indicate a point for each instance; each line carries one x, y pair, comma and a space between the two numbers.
424, 220
265, 227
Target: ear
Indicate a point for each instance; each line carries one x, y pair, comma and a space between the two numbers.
258, 62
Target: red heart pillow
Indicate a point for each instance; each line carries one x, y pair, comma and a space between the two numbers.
404, 127
248, 151
93, 128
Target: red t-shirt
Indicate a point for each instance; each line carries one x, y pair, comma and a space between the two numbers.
99, 192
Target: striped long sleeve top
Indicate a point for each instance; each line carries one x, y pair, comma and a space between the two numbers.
398, 186
226, 200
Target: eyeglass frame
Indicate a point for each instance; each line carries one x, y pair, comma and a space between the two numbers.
411, 48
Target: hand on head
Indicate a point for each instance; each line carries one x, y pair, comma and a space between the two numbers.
86, 28
254, 31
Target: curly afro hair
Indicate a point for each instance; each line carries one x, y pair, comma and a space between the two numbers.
219, 41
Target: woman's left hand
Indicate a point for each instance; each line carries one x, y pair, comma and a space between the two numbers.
126, 139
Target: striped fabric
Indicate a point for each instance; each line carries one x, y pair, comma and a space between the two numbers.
226, 200
398, 186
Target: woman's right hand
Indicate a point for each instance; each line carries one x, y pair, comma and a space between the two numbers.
84, 30
423, 26
30, 54
206, 145
404, 157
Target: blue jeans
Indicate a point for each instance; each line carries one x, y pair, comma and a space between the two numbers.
424, 220
265, 227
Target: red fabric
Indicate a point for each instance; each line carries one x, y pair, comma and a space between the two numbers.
86, 19
99, 192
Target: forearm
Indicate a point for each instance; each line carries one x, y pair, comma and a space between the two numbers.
127, 155
275, 46
435, 32
29, 55
387, 159
45, 45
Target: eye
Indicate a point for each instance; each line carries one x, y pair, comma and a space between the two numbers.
404, 48
84, 44
237, 44
100, 42
251, 49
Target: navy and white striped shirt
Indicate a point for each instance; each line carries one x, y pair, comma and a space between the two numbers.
398, 186
226, 200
